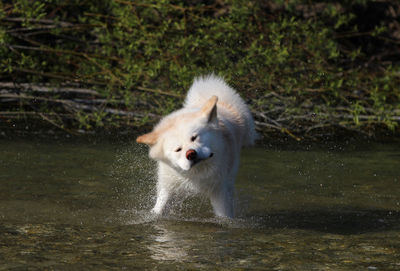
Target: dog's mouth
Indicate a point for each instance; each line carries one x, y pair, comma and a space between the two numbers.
196, 161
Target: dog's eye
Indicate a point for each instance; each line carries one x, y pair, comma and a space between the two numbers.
178, 149
193, 138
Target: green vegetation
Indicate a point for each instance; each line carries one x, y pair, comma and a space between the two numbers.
307, 68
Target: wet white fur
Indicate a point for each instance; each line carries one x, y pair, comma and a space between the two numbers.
222, 136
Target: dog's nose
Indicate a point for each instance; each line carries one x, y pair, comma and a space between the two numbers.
191, 154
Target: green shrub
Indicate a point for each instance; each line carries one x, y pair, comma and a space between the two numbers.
302, 67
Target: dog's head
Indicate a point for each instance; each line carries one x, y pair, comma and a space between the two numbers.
185, 138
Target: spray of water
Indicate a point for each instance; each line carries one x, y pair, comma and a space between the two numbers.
134, 176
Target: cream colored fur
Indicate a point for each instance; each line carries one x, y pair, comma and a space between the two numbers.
198, 147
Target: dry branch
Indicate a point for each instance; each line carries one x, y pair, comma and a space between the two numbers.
75, 105
46, 89
40, 21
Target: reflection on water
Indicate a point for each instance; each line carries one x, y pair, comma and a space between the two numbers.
74, 205
167, 245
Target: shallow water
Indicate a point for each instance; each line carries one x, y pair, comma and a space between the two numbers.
79, 205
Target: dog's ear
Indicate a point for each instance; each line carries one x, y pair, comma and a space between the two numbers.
148, 139
209, 109
152, 139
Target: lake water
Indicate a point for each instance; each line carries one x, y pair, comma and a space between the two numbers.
82, 205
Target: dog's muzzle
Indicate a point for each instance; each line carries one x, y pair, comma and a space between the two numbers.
192, 156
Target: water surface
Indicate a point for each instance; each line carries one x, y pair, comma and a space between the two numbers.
84, 205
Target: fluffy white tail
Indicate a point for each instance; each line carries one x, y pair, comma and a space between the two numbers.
206, 86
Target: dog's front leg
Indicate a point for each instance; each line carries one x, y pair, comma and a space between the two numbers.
222, 202
162, 198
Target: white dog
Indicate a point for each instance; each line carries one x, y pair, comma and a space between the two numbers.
198, 147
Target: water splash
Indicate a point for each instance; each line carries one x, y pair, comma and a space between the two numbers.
134, 177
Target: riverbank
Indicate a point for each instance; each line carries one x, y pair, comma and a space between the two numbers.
308, 71
39, 131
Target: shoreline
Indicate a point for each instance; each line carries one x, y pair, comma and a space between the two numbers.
41, 130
